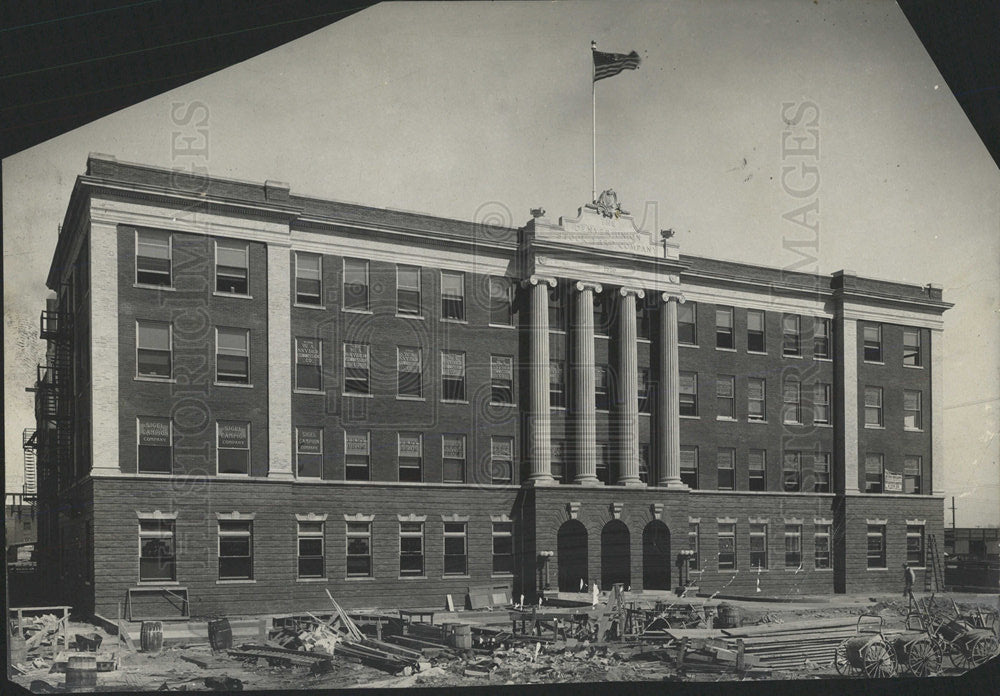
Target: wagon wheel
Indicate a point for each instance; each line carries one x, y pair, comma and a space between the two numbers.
981, 650
958, 656
841, 662
879, 661
923, 658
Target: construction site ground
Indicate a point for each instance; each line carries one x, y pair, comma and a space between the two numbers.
194, 666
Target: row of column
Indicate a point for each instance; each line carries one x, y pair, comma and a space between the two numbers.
667, 426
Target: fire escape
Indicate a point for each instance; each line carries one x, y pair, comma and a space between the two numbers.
54, 404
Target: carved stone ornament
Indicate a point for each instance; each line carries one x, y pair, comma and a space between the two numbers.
607, 204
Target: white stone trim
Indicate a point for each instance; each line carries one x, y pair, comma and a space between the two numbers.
846, 342
879, 522
823, 520
917, 523
311, 517
191, 219
411, 518
359, 517
104, 353
937, 411
156, 515
893, 315
725, 520
767, 299
792, 520
454, 518
279, 362
759, 520
234, 515
501, 518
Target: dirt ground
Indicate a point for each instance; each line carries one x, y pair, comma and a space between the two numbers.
520, 664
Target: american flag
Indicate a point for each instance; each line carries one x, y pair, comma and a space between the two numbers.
610, 64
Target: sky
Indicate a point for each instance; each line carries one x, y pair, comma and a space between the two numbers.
481, 111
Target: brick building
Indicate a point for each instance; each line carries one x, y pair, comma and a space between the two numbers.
256, 396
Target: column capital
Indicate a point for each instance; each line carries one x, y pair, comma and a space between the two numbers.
582, 285
668, 295
625, 291
536, 279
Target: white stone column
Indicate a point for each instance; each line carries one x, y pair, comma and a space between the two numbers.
104, 395
539, 418
584, 405
628, 389
937, 412
279, 362
846, 347
668, 408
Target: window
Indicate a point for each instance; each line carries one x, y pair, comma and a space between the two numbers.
911, 474
689, 466
153, 258
409, 372
601, 387
501, 379
311, 560
821, 544
911, 348
356, 368
557, 308
232, 267
689, 394
912, 417
793, 545
309, 364
755, 399
501, 460
411, 549
792, 411
874, 473
755, 331
408, 290
643, 391
915, 544
758, 546
601, 315
724, 328
644, 316
757, 470
603, 463
453, 295
409, 452
791, 472
456, 556
359, 549
153, 349
557, 384
725, 396
232, 355
873, 407
356, 285
694, 544
453, 458
644, 462
727, 546
501, 301
157, 556
687, 326
357, 455
876, 546
790, 335
309, 452
503, 548
235, 550
233, 446
873, 342
821, 472
557, 458
821, 402
821, 337
308, 279
452, 375
726, 458
156, 451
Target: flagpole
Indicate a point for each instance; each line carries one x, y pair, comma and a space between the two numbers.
593, 99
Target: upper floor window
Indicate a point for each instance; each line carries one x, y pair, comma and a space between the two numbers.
873, 406
356, 285
603, 464
792, 412
357, 455
821, 472
601, 319
452, 375
757, 470
153, 258
501, 379
687, 325
791, 332
501, 301
791, 472
689, 394
453, 295
233, 447
309, 452
557, 458
874, 473
726, 457
501, 459
873, 342
308, 279
643, 391
453, 458
689, 466
912, 412
408, 290
232, 359
410, 453
644, 316
755, 331
557, 384
821, 402
309, 364
155, 445
821, 337
232, 267
153, 349
725, 392
911, 474
601, 387
724, 328
409, 372
644, 462
157, 555
557, 308
357, 368
755, 399
911, 348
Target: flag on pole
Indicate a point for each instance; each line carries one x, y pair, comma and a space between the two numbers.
610, 64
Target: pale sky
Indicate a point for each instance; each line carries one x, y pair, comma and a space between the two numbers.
464, 110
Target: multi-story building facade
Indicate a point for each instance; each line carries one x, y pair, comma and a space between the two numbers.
257, 396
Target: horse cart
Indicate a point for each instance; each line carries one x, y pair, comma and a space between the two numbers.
968, 640
867, 652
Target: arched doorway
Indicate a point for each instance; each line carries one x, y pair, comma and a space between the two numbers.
615, 556
656, 556
571, 549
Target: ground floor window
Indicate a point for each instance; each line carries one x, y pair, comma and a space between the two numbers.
156, 551
758, 546
694, 544
876, 546
503, 548
915, 544
311, 558
411, 549
456, 556
793, 545
235, 550
359, 549
727, 546
821, 541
